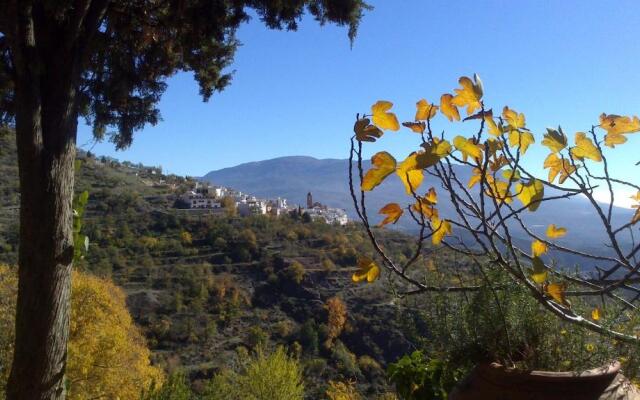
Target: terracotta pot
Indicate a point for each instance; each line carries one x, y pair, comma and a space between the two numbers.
496, 382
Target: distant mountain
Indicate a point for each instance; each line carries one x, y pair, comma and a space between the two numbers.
327, 179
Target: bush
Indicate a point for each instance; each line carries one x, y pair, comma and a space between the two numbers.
309, 336
345, 360
295, 272
257, 337
175, 388
342, 391
274, 376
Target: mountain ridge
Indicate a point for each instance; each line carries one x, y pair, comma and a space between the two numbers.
293, 177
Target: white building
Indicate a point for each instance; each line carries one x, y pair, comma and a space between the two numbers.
329, 215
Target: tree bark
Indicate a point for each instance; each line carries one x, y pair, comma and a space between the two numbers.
46, 125
45, 258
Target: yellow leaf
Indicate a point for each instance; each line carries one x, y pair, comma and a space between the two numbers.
494, 129
425, 111
431, 195
509, 175
382, 118
417, 127
555, 140
469, 94
367, 270
434, 152
616, 124
410, 173
493, 145
521, 139
611, 140
595, 314
476, 177
530, 194
554, 232
366, 132
538, 248
585, 148
558, 166
441, 228
636, 196
557, 292
393, 212
539, 272
468, 148
448, 109
383, 164
425, 207
513, 119
499, 191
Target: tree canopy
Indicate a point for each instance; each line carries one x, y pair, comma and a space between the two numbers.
108, 357
123, 51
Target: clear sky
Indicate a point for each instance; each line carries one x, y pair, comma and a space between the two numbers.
296, 93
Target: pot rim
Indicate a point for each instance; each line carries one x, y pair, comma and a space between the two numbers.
497, 369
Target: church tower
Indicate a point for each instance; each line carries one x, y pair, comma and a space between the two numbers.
309, 200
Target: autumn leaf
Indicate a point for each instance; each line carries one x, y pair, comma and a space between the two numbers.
383, 164
538, 248
425, 205
448, 109
494, 129
514, 120
441, 228
431, 195
383, 119
510, 175
612, 140
410, 173
555, 140
367, 270
557, 293
469, 94
530, 194
493, 145
521, 140
585, 148
433, 153
616, 124
425, 111
468, 148
417, 127
558, 166
596, 314
539, 272
365, 132
499, 190
393, 212
554, 232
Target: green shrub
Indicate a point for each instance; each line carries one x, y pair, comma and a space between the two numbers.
274, 376
345, 360
176, 387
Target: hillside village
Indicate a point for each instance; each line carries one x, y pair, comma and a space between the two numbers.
218, 199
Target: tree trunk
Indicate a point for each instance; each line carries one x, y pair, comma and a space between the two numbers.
46, 124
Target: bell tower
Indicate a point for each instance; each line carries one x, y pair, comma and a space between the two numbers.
309, 200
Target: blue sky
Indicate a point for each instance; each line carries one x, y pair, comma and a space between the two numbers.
296, 93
